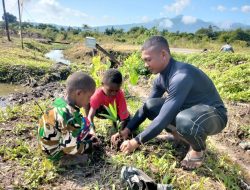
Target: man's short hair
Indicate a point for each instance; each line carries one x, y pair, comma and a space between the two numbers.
156, 42
80, 81
112, 76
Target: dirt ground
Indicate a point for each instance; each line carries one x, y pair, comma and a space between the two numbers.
102, 170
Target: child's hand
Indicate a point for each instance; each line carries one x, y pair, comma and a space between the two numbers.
115, 138
92, 132
123, 134
95, 141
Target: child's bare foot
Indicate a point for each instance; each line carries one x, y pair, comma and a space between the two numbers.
192, 160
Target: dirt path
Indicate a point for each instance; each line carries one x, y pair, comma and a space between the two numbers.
184, 50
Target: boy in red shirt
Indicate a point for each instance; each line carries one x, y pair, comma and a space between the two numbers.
109, 92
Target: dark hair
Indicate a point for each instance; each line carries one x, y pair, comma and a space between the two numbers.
154, 42
112, 76
80, 81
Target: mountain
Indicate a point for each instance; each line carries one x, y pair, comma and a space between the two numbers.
178, 23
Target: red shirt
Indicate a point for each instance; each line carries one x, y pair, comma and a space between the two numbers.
100, 98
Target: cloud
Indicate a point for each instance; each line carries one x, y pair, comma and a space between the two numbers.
221, 8
145, 19
177, 6
188, 19
54, 9
51, 11
234, 9
166, 23
245, 9
10, 6
225, 24
108, 19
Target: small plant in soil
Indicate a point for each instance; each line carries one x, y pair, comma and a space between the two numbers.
113, 116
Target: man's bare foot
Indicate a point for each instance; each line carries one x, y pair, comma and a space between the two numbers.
166, 137
192, 160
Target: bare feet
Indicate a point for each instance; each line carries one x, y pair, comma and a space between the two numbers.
192, 160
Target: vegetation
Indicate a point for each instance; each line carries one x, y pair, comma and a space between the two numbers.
29, 169
20, 66
35, 171
210, 38
230, 72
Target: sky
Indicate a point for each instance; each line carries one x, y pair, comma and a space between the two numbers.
113, 12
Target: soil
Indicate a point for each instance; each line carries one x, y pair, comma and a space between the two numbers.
49, 90
71, 177
101, 170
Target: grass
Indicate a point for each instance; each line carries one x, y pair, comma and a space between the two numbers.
25, 167
229, 72
158, 159
18, 66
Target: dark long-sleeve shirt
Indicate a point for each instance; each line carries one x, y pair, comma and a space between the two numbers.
186, 86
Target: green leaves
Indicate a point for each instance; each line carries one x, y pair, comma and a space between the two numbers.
132, 67
229, 72
97, 69
112, 114
112, 111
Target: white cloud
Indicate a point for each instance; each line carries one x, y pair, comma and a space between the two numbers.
245, 9
177, 6
52, 12
10, 6
166, 23
108, 19
47, 11
225, 24
145, 19
234, 9
188, 19
221, 8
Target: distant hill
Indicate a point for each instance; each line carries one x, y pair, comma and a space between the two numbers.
178, 23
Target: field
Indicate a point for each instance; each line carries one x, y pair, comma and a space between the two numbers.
22, 166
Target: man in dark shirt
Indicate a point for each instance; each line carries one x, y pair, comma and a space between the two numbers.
192, 105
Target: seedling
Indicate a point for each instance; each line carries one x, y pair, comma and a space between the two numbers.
112, 115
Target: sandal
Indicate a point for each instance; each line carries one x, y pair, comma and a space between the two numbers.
193, 162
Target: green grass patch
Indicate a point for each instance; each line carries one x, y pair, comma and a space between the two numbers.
18, 66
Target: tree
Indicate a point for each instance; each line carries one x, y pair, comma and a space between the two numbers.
10, 17
137, 29
110, 31
86, 27
240, 34
209, 32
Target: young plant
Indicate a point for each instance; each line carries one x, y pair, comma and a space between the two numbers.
97, 69
112, 115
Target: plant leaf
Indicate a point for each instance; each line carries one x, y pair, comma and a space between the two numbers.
109, 111
108, 117
113, 110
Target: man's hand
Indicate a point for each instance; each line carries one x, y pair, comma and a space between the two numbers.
129, 146
123, 134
